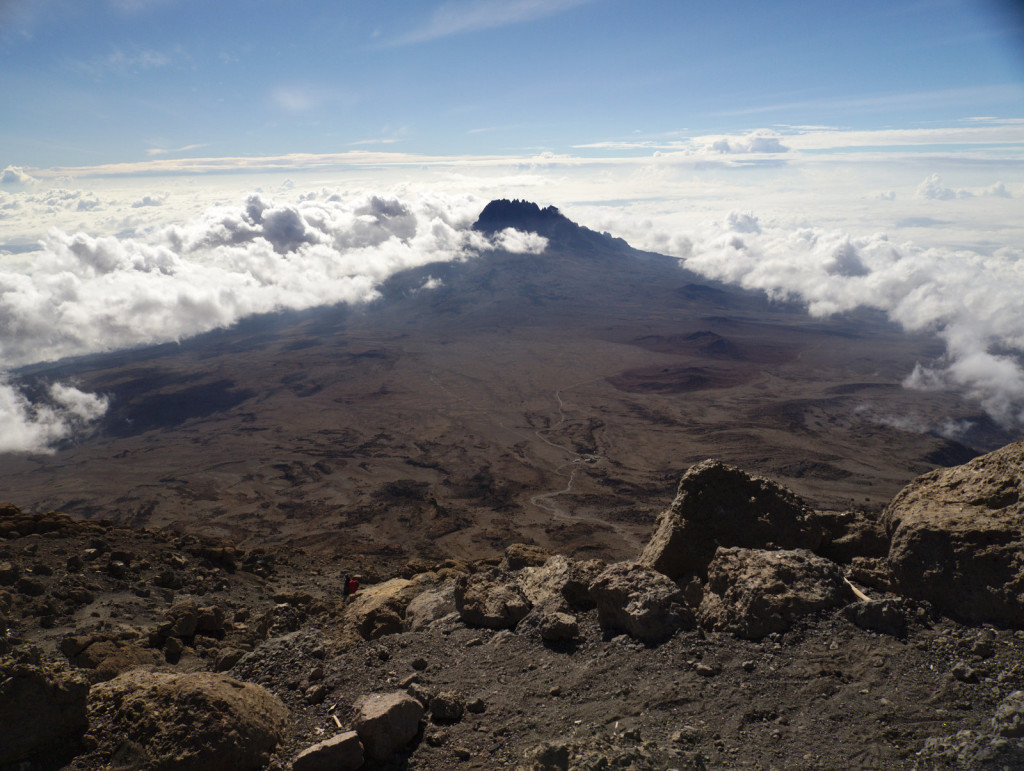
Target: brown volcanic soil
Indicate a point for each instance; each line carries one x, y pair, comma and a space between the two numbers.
824, 695
552, 399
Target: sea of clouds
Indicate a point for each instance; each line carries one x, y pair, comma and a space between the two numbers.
81, 293
147, 269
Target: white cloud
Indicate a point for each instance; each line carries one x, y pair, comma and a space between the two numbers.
150, 200
87, 294
760, 141
972, 301
998, 190
932, 188
16, 175
64, 411
170, 151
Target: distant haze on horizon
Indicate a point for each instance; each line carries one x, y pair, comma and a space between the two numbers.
170, 166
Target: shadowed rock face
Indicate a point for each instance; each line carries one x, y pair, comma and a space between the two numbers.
719, 505
958, 538
42, 708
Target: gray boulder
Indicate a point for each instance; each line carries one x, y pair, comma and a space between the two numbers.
430, 606
492, 599
641, 602
387, 722
957, 536
720, 505
752, 593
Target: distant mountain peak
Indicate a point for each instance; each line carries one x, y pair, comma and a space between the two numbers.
521, 215
549, 222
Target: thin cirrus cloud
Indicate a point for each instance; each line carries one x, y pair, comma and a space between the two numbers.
155, 151
455, 18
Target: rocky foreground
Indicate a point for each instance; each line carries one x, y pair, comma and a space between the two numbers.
750, 632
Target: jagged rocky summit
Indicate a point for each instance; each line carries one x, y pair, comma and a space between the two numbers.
549, 222
746, 607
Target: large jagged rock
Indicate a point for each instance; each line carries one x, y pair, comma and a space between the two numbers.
561, 577
491, 599
42, 709
752, 592
641, 602
719, 505
957, 538
193, 721
387, 722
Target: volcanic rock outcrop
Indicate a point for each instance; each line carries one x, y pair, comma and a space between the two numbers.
958, 538
720, 505
730, 643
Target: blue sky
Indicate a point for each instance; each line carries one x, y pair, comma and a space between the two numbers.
88, 82
171, 166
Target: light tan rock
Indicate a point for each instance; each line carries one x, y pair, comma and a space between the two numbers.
342, 752
957, 538
387, 722
752, 592
380, 609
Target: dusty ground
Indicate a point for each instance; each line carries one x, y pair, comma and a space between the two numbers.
824, 695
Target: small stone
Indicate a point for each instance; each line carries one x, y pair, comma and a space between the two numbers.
686, 735
447, 707
984, 646
704, 670
438, 739
30, 587
965, 673
749, 665
173, 648
461, 753
316, 694
9, 573
419, 663
476, 706
556, 691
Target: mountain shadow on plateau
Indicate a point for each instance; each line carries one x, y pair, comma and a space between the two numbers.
137, 406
